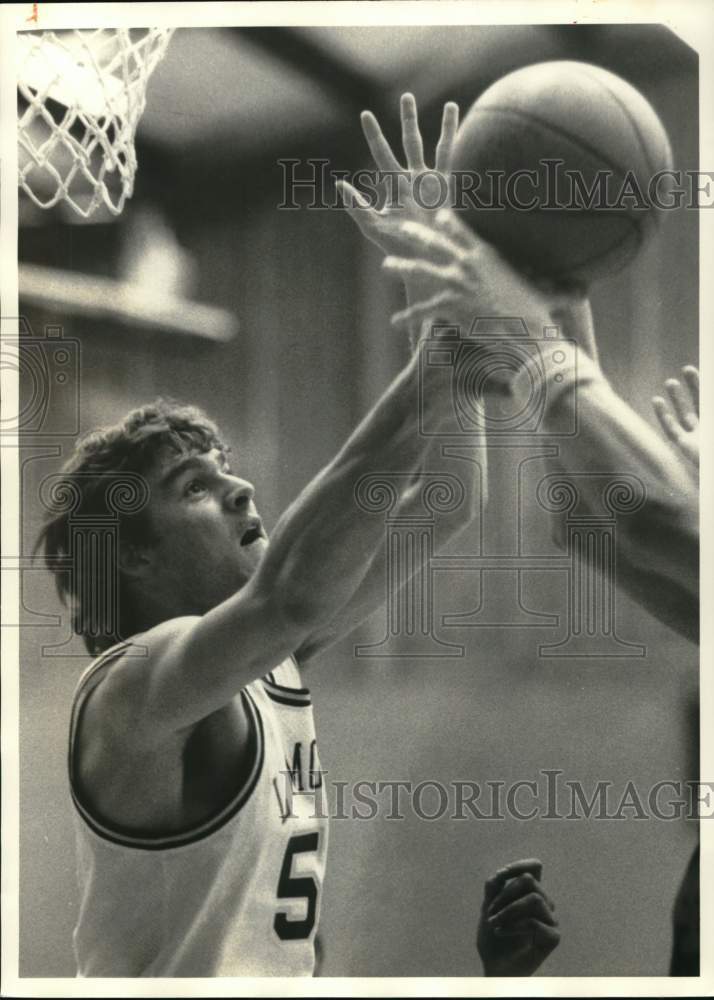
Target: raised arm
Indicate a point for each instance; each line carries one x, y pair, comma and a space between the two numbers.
372, 592
323, 571
406, 191
658, 545
659, 542
318, 556
611, 436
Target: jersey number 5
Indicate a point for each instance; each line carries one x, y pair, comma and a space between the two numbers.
290, 887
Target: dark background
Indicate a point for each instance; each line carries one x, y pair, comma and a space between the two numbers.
314, 350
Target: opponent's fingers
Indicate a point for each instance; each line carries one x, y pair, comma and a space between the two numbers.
493, 885
380, 149
445, 145
682, 404
532, 905
411, 136
690, 374
675, 391
666, 419
427, 240
407, 267
543, 936
424, 310
514, 889
352, 198
365, 215
450, 225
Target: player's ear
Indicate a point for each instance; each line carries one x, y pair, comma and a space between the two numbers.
134, 559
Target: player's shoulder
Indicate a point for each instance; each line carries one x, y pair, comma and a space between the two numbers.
147, 647
167, 631
119, 676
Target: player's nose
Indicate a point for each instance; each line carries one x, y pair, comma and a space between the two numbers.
240, 494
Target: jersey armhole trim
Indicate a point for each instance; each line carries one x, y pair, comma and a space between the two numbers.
297, 697
285, 695
163, 842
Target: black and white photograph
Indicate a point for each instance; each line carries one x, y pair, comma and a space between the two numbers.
350, 443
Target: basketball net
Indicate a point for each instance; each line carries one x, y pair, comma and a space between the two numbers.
80, 97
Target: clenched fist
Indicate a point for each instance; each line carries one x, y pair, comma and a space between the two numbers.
517, 930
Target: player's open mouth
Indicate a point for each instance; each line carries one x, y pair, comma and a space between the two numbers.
252, 534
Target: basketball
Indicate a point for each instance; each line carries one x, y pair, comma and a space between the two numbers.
563, 158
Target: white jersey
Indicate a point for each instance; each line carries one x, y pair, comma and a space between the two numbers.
237, 896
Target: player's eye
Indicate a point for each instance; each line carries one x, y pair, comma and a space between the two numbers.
194, 488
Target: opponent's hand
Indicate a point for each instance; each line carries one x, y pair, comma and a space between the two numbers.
468, 278
679, 418
400, 205
517, 930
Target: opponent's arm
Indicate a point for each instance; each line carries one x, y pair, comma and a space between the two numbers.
318, 556
662, 536
658, 545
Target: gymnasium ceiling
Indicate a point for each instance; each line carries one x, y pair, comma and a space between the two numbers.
226, 99
253, 89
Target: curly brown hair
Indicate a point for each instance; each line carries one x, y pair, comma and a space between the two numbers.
104, 480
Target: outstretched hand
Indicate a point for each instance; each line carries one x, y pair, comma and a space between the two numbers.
679, 418
408, 190
466, 277
517, 930
440, 260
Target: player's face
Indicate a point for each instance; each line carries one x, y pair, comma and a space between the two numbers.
209, 538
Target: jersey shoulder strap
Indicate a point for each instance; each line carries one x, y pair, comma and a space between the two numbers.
283, 685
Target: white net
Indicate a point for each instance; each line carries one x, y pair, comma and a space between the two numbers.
80, 97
